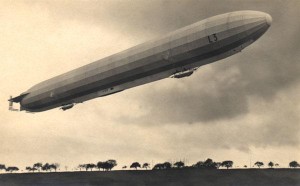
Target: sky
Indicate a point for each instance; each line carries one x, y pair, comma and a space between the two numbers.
244, 108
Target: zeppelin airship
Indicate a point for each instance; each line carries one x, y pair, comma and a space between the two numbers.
175, 55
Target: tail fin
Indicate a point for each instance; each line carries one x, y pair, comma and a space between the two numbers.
17, 99
11, 106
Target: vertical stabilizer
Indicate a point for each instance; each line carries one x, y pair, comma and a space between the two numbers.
11, 106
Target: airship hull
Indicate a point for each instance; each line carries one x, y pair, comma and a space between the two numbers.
193, 46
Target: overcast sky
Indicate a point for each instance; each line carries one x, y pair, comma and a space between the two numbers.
244, 107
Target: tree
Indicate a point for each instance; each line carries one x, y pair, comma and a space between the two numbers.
38, 166
179, 164
199, 164
276, 165
245, 166
124, 167
31, 169
100, 165
81, 166
227, 164
2, 167
107, 165
146, 166
57, 165
294, 164
90, 166
271, 164
53, 166
135, 165
210, 164
259, 164
207, 164
46, 167
86, 166
11, 169
218, 164
158, 166
111, 164
167, 165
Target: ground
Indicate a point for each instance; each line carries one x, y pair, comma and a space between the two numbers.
190, 177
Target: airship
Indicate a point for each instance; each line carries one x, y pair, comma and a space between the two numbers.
175, 55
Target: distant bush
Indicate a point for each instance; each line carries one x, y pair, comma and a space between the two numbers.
294, 164
46, 167
89, 166
259, 164
146, 166
31, 169
160, 166
107, 165
207, 164
135, 165
37, 166
11, 169
179, 164
227, 164
271, 164
2, 167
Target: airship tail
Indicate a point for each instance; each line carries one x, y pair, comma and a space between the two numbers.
17, 99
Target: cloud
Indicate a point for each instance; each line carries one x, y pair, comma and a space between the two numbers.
269, 125
223, 90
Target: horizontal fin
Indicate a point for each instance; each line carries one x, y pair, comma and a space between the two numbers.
18, 98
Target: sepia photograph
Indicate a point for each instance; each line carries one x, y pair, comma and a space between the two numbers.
150, 93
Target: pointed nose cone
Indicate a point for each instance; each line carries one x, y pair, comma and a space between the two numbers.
268, 19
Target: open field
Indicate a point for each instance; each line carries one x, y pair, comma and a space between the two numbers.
173, 177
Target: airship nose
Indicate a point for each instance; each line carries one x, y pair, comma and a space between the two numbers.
268, 19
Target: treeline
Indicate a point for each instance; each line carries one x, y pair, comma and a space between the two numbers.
105, 166
292, 164
207, 164
43, 167
110, 164
8, 169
